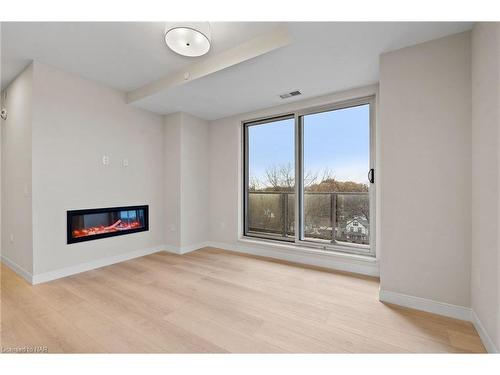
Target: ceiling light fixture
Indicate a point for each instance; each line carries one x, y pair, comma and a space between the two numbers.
189, 41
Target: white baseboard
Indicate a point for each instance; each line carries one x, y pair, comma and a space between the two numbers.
340, 262
26, 275
428, 305
67, 271
441, 308
186, 249
189, 248
485, 338
173, 249
72, 270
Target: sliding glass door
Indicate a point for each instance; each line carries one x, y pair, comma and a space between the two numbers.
329, 152
335, 176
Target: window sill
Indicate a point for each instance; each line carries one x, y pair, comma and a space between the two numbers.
334, 260
304, 250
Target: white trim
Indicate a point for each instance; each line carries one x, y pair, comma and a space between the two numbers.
485, 338
187, 248
441, 308
424, 304
72, 270
337, 261
67, 271
26, 275
173, 249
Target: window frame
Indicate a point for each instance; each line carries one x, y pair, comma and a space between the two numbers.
298, 115
246, 126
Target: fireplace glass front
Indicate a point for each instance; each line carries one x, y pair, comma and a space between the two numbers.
85, 225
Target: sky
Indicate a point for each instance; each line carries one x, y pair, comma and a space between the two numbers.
336, 140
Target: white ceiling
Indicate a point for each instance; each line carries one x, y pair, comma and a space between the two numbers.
323, 58
122, 55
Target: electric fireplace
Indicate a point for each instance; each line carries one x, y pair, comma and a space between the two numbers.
86, 225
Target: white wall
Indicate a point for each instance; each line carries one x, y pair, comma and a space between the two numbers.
223, 177
425, 180
1, 124
172, 143
16, 174
75, 123
186, 163
485, 283
194, 181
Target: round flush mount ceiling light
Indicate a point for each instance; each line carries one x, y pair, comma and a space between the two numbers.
188, 41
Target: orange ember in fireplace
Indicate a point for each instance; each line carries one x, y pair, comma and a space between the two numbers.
117, 226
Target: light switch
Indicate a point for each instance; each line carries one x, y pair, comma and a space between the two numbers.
125, 162
105, 160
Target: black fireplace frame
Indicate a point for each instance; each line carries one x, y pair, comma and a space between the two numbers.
71, 213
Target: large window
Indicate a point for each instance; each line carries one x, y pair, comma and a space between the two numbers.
329, 152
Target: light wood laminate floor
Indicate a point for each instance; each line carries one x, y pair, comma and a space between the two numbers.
216, 301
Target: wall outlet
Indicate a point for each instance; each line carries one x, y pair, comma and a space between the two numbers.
223, 224
105, 160
11, 237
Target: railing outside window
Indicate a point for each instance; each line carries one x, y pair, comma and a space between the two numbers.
329, 216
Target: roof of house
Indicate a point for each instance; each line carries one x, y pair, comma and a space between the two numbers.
363, 222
